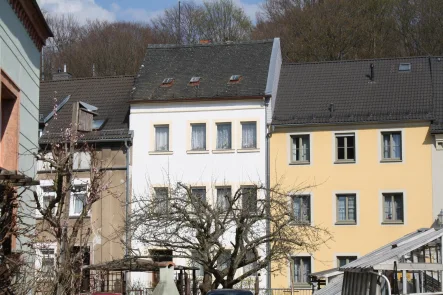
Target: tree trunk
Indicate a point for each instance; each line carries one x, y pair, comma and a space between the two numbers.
206, 285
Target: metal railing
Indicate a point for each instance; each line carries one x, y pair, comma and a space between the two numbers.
297, 291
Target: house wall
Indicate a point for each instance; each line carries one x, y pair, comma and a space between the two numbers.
20, 61
107, 216
437, 177
208, 168
367, 178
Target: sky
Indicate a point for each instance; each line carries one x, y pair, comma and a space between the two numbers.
126, 10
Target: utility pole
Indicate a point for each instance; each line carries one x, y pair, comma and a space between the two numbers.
64, 245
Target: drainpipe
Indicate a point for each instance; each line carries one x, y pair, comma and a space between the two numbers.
268, 194
127, 200
127, 213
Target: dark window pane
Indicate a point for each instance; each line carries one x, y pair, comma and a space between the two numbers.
341, 153
351, 153
350, 141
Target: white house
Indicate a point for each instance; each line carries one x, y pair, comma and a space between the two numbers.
200, 113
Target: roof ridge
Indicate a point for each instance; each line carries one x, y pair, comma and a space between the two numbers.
170, 46
89, 78
359, 60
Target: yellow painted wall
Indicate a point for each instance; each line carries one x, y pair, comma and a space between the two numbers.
368, 178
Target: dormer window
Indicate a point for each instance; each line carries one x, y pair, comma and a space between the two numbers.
167, 82
235, 78
404, 67
195, 81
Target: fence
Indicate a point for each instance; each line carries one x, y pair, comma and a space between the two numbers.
148, 291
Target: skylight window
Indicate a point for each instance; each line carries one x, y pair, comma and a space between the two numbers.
235, 78
404, 68
98, 124
167, 81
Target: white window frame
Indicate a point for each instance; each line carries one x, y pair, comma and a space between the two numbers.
345, 135
381, 145
155, 137
39, 259
41, 194
292, 265
256, 134
225, 202
337, 255
347, 221
382, 208
246, 187
161, 210
205, 136
78, 181
311, 145
216, 136
335, 221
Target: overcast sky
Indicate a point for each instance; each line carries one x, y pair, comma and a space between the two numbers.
128, 10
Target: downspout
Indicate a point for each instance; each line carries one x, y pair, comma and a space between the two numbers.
127, 200
268, 194
126, 276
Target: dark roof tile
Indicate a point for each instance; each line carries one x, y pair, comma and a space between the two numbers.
109, 94
342, 92
213, 63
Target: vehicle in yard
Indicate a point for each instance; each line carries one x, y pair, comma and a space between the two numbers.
229, 292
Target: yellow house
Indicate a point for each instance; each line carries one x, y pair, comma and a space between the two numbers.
355, 138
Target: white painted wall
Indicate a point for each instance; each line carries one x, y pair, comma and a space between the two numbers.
209, 169
195, 169
437, 177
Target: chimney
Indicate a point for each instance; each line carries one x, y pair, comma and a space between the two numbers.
61, 75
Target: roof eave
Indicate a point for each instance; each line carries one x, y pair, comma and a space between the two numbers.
197, 99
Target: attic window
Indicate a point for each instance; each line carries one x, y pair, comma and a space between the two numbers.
195, 81
235, 79
404, 68
98, 124
167, 82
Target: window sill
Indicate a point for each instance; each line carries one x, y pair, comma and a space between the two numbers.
298, 223
393, 222
302, 286
231, 151
248, 150
346, 223
70, 217
391, 161
300, 163
161, 153
344, 162
197, 152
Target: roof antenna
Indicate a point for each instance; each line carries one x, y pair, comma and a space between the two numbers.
371, 76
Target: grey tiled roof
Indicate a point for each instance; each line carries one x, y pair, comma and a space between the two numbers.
213, 63
342, 92
109, 94
437, 82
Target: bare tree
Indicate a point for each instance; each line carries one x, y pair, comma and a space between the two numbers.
216, 20
52, 204
226, 233
223, 21
97, 48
